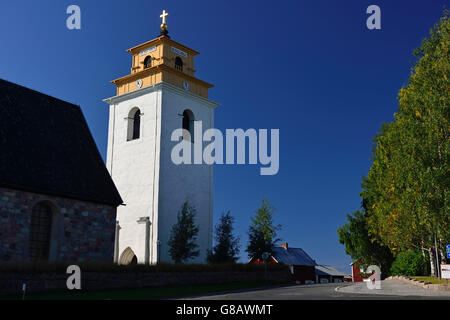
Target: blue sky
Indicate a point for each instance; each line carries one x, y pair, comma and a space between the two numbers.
310, 68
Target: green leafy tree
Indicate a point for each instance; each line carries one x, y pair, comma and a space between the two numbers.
227, 245
405, 194
183, 235
407, 185
358, 244
408, 263
262, 232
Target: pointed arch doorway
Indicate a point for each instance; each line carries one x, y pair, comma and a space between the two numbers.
128, 257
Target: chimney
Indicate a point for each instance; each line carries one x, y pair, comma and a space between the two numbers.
284, 245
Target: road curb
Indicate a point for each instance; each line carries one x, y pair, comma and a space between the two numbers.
338, 288
421, 284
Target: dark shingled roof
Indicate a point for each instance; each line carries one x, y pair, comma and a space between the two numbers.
46, 147
294, 256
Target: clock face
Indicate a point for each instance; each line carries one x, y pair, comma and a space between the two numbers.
139, 83
186, 85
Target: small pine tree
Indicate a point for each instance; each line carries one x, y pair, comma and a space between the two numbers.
183, 235
227, 245
262, 233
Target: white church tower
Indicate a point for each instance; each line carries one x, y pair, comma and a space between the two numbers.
160, 94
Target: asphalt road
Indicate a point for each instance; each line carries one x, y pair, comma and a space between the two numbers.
390, 290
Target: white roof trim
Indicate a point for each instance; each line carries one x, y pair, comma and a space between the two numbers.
153, 87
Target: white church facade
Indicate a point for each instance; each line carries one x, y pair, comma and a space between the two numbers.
160, 95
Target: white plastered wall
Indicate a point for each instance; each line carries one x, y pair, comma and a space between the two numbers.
149, 183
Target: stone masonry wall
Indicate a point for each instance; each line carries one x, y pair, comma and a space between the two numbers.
12, 283
81, 231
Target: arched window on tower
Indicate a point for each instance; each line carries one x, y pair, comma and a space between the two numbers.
134, 124
147, 62
178, 64
188, 125
40, 231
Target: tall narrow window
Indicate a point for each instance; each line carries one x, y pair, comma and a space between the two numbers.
40, 231
188, 125
134, 124
147, 62
137, 125
178, 64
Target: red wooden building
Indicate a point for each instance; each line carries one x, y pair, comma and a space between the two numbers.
358, 274
301, 265
356, 271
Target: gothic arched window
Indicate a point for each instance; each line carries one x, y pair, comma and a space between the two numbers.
40, 231
134, 124
147, 62
188, 125
178, 64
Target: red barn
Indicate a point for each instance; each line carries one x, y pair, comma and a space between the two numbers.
301, 265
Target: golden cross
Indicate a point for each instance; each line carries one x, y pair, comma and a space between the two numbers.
163, 17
